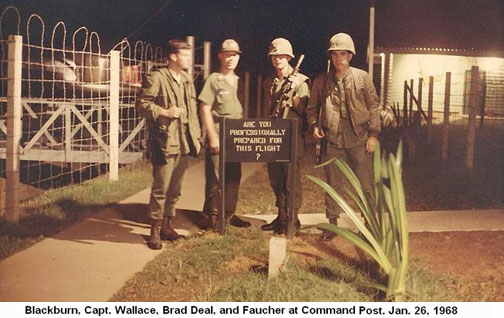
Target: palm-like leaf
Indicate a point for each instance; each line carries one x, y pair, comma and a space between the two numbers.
387, 239
356, 220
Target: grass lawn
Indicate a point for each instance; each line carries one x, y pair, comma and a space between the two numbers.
234, 268
53, 210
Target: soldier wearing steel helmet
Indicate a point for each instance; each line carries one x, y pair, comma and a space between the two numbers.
219, 98
348, 121
280, 52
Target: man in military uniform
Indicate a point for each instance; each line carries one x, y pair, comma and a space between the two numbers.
219, 98
280, 53
349, 120
168, 102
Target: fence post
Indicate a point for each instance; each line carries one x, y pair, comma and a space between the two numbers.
413, 136
471, 125
68, 133
410, 113
259, 113
114, 115
415, 121
446, 118
483, 99
207, 58
420, 92
430, 110
190, 41
246, 95
386, 81
405, 107
14, 130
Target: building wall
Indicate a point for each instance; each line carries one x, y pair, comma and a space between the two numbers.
414, 66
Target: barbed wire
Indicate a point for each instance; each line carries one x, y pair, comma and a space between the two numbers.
61, 74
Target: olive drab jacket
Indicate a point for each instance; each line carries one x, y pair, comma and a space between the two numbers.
167, 135
363, 103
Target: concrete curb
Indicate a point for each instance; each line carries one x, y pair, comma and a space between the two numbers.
424, 221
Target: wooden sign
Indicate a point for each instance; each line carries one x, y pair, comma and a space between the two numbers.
258, 140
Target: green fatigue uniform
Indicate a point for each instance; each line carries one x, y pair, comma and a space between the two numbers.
170, 140
278, 171
223, 98
350, 114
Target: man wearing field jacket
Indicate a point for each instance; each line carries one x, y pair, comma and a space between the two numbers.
343, 110
168, 102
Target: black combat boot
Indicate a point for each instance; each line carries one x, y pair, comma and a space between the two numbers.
155, 237
237, 222
282, 227
328, 235
167, 230
270, 226
275, 224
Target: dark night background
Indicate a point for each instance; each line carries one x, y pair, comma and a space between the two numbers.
462, 24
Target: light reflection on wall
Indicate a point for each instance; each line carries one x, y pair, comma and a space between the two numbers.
415, 66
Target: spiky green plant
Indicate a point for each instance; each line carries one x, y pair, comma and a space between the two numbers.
385, 234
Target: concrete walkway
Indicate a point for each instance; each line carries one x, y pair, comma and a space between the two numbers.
92, 259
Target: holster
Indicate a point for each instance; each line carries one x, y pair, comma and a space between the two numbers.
157, 155
158, 134
320, 150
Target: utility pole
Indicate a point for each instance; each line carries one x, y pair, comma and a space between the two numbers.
371, 38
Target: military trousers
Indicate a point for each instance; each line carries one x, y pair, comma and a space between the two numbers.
167, 185
361, 163
213, 198
278, 173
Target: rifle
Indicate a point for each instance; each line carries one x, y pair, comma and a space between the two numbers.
321, 145
283, 94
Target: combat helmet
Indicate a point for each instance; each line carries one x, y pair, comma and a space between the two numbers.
230, 45
341, 42
280, 46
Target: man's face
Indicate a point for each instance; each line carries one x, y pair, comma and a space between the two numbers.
341, 59
281, 61
182, 59
229, 60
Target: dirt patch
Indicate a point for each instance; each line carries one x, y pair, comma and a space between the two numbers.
463, 254
243, 263
311, 247
475, 259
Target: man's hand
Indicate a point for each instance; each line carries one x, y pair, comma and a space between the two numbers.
172, 112
213, 143
318, 133
371, 144
296, 80
197, 145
